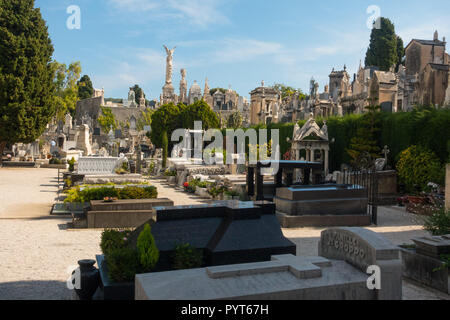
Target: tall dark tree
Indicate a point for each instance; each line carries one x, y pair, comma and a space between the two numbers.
26, 74
85, 88
400, 51
137, 93
382, 51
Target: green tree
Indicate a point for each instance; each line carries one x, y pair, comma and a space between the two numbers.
364, 147
234, 120
212, 91
164, 121
418, 166
85, 88
148, 252
26, 73
287, 91
400, 51
107, 120
199, 111
382, 51
145, 119
66, 96
137, 93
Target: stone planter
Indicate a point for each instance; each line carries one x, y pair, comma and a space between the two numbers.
171, 180
112, 290
89, 281
202, 192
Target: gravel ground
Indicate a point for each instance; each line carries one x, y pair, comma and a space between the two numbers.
37, 250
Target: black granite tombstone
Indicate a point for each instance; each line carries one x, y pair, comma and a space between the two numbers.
228, 232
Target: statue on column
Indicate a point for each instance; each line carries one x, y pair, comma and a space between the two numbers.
169, 66
183, 87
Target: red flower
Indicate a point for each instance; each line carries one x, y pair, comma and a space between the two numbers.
186, 184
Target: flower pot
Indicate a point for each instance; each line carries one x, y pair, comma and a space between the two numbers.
89, 279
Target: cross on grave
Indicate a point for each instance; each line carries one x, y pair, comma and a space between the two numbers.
300, 267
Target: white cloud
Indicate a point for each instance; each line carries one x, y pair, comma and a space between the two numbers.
238, 50
200, 13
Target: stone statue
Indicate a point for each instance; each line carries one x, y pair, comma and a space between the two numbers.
183, 86
169, 66
132, 98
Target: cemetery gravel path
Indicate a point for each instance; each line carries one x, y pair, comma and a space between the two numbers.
36, 250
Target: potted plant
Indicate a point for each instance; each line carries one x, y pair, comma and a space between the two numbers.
231, 195
171, 176
201, 189
189, 188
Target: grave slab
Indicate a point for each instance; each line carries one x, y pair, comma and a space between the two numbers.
285, 278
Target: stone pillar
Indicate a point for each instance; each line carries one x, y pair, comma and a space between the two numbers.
326, 162
447, 188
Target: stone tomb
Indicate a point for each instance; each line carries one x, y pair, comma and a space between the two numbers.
322, 205
424, 264
336, 275
123, 213
228, 231
97, 165
363, 248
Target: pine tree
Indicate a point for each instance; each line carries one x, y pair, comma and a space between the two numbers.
26, 73
85, 88
383, 49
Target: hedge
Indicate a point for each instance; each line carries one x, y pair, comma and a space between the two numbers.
427, 127
87, 194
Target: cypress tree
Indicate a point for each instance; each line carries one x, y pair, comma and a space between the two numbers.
383, 51
26, 73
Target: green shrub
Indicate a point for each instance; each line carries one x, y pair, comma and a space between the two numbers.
187, 257
204, 184
417, 167
438, 223
71, 163
55, 161
170, 173
216, 191
113, 239
148, 252
232, 193
138, 193
123, 264
87, 194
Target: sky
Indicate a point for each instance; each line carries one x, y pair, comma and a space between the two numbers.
235, 43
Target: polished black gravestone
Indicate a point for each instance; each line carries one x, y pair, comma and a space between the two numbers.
228, 232
322, 206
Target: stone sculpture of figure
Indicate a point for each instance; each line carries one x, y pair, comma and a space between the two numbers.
183, 86
169, 66
131, 98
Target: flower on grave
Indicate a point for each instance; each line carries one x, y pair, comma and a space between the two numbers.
186, 184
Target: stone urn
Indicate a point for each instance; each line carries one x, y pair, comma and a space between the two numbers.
90, 279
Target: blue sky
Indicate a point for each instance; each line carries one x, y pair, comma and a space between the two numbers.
233, 42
